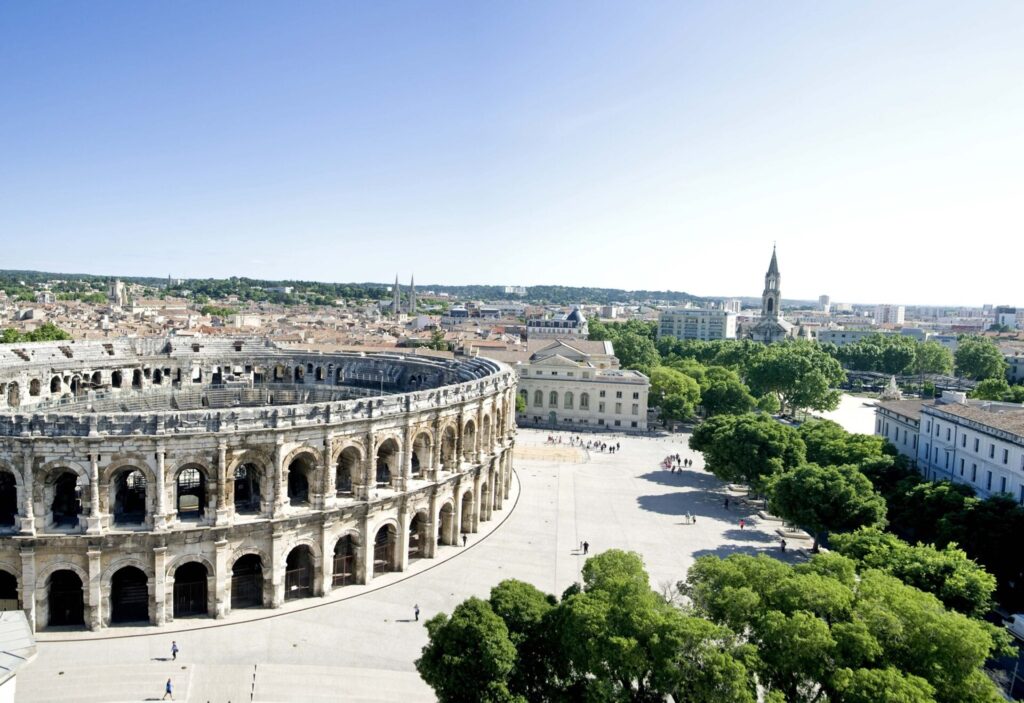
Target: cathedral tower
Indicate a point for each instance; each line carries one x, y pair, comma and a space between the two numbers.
771, 298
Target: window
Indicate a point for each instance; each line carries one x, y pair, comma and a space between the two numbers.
618, 408
538, 399
961, 467
618, 394
1002, 484
878, 425
554, 373
976, 441
988, 482
553, 399
600, 421
538, 373
928, 427
601, 394
938, 429
914, 439
636, 396
600, 407
584, 401
1006, 456
974, 473
586, 375
991, 451
636, 408
963, 441
947, 434
633, 424
570, 374
567, 402
618, 423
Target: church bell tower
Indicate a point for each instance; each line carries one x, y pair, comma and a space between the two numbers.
771, 298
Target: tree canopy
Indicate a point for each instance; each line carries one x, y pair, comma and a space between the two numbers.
47, 332
674, 393
828, 443
747, 448
799, 373
979, 358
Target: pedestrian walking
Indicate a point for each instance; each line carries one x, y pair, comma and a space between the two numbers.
586, 547
743, 523
726, 503
464, 539
168, 690
174, 651
782, 546
416, 611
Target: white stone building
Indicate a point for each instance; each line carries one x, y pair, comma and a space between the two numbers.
705, 324
573, 324
575, 384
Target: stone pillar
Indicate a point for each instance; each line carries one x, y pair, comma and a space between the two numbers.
279, 562
457, 512
458, 442
223, 508
369, 467
222, 579
326, 548
430, 548
158, 587
280, 486
508, 472
28, 585
499, 488
364, 572
161, 520
329, 490
94, 599
402, 538
492, 488
478, 445
400, 480
93, 521
435, 452
28, 514
476, 501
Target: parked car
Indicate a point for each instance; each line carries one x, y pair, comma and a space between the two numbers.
1015, 625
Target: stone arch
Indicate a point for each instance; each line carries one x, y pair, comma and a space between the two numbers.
538, 398
193, 585
96, 380
300, 569
131, 492
182, 559
34, 387
422, 451
348, 469
485, 433
63, 486
13, 394
129, 594
449, 443
61, 594
10, 488
386, 460
347, 549
191, 483
466, 510
302, 468
249, 577
568, 400
385, 548
447, 532
468, 440
55, 384
418, 535
116, 379
260, 485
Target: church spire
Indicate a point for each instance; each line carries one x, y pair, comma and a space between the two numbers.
773, 267
771, 298
412, 295
396, 306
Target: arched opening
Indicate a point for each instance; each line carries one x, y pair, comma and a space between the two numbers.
13, 395
9, 591
448, 448
771, 306
320, 373
348, 468
280, 373
309, 368
446, 533
247, 582
137, 379
467, 512
129, 596
158, 377
130, 498
345, 555
298, 575
300, 373
468, 441
34, 387
75, 385
553, 399
97, 379
384, 550
485, 502
567, 400
485, 434
299, 472
116, 379
420, 453
418, 536
538, 399
584, 401
247, 489
67, 499
55, 384
190, 589
387, 462
8, 499
191, 493
65, 599
217, 377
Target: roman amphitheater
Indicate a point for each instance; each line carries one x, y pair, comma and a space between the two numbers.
143, 480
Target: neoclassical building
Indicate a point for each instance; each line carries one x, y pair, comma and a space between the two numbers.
153, 479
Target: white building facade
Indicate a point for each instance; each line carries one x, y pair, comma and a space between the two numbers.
697, 323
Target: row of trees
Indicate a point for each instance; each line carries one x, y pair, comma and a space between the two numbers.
752, 628
48, 332
977, 358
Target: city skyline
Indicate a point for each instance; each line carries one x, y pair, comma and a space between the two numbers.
653, 147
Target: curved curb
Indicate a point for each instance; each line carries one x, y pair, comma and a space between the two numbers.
313, 606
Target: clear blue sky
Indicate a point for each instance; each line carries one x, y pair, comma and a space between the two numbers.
634, 145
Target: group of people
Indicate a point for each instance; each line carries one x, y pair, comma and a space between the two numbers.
674, 462
603, 447
577, 441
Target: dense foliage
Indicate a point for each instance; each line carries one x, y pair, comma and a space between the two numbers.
979, 358
895, 354
747, 448
47, 332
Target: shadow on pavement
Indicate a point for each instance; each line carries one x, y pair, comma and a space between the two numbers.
700, 503
750, 535
790, 557
683, 479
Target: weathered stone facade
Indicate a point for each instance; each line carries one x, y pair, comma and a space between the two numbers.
277, 473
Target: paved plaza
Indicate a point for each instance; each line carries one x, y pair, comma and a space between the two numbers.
360, 643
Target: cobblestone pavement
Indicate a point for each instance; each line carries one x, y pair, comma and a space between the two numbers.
362, 648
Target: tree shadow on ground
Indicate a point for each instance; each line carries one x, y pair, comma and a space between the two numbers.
750, 535
699, 503
789, 556
683, 479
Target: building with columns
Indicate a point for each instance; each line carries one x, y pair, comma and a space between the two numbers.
147, 479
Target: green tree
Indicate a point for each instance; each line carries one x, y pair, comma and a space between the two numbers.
948, 574
540, 671
636, 352
769, 403
824, 499
722, 392
828, 443
800, 374
520, 403
932, 357
979, 358
47, 332
673, 393
437, 341
470, 656
747, 448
